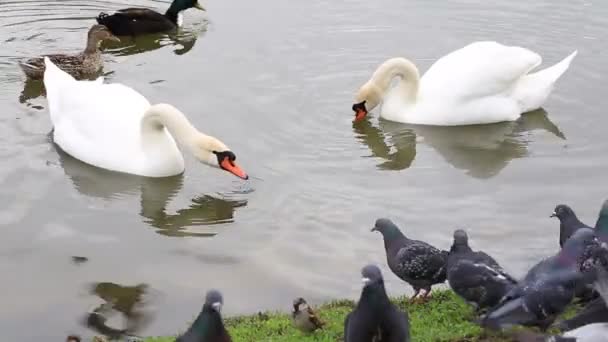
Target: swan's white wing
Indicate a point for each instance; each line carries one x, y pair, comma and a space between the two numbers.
95, 122
477, 70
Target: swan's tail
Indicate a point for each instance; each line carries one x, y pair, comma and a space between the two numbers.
534, 89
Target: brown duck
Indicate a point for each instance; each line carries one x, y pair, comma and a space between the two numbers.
304, 318
82, 65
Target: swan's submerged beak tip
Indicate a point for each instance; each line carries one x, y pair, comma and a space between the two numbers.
360, 111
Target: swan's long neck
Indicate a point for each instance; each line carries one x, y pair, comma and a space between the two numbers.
402, 68
163, 115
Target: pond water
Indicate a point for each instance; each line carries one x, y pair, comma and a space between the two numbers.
275, 81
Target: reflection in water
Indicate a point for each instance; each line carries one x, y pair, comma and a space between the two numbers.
155, 195
397, 154
482, 151
127, 300
182, 41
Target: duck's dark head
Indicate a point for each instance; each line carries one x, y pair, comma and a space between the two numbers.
214, 300
387, 228
182, 5
563, 212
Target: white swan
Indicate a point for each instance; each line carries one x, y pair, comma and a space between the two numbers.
112, 126
484, 82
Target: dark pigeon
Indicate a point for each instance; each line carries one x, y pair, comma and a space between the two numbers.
568, 222
601, 225
415, 262
208, 326
475, 276
304, 318
375, 318
548, 287
595, 311
597, 329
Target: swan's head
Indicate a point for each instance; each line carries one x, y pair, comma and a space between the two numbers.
367, 98
213, 152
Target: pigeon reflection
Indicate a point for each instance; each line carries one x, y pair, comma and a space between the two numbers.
129, 301
482, 151
155, 194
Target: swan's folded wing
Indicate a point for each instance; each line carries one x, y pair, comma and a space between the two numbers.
477, 70
95, 122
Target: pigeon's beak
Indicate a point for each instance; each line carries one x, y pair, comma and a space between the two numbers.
374, 229
554, 214
217, 306
365, 281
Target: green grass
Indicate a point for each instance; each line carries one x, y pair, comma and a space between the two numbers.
445, 318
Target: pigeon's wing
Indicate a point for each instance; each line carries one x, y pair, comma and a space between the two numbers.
483, 258
476, 282
419, 260
346, 321
398, 326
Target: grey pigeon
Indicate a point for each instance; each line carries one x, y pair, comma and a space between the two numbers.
568, 222
475, 276
415, 262
304, 318
208, 326
601, 225
375, 318
548, 287
598, 330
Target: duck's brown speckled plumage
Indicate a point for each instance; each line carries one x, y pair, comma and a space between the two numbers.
81, 65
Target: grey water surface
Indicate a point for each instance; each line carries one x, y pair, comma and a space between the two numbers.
274, 80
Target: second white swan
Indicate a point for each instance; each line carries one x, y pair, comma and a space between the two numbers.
481, 83
113, 127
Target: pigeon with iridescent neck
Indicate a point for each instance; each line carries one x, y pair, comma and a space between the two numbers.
208, 326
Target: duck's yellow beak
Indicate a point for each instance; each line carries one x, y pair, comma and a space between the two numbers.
198, 5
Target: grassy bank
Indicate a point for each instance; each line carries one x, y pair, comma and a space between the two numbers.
444, 318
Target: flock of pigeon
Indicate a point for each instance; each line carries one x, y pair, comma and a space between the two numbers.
578, 271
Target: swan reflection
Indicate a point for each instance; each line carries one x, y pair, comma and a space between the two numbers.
482, 151
155, 194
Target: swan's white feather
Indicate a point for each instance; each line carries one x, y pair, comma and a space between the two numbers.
481, 83
101, 124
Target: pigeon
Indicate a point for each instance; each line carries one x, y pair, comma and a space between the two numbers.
304, 318
208, 326
375, 318
528, 336
475, 276
568, 222
415, 262
601, 225
598, 330
547, 288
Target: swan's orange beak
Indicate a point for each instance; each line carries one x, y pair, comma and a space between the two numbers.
360, 111
359, 115
231, 167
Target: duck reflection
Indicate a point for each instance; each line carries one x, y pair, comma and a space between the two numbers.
155, 194
126, 300
182, 41
482, 151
